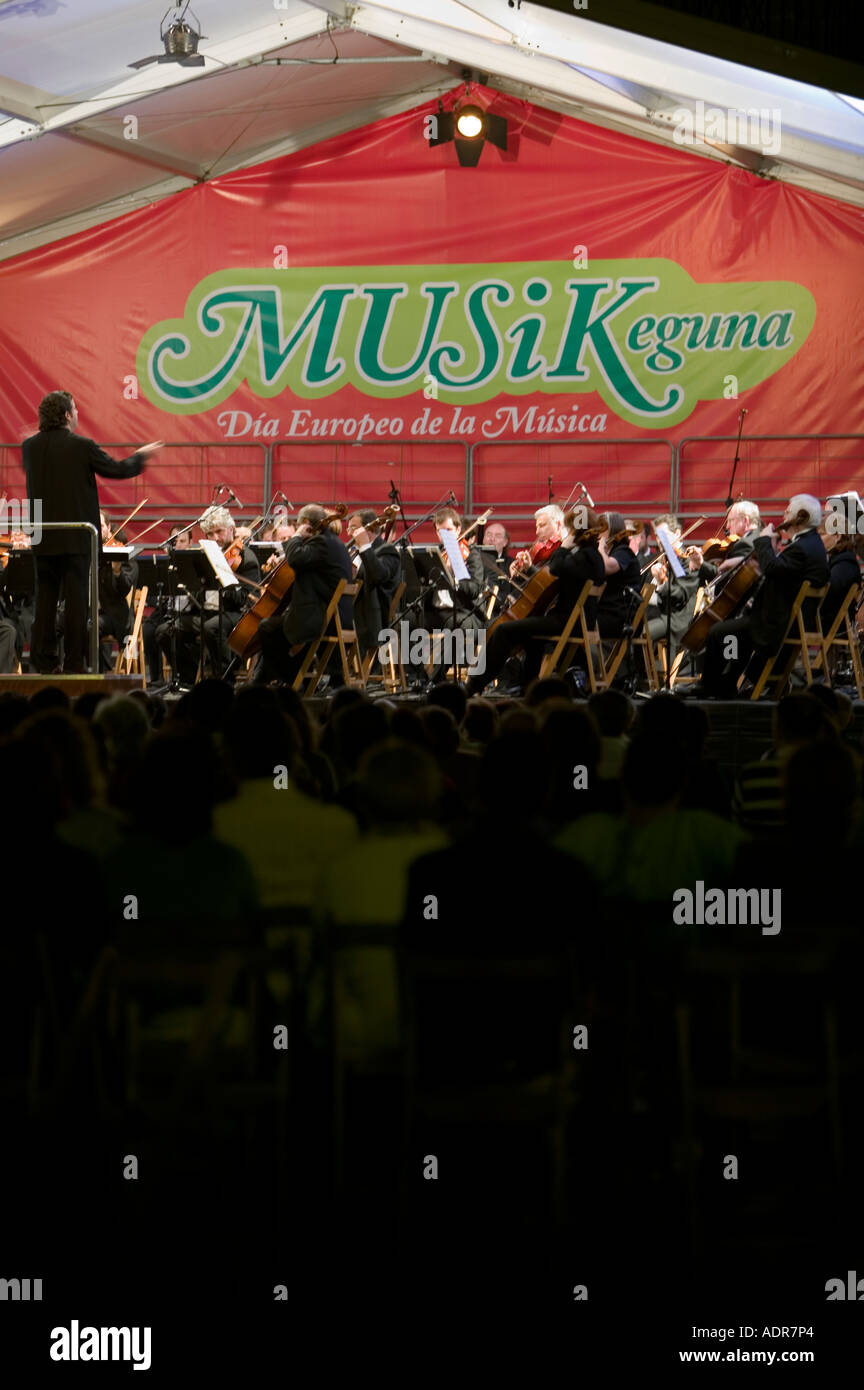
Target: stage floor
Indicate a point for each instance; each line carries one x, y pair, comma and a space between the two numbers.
72, 685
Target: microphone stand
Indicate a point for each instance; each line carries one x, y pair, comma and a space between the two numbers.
741, 415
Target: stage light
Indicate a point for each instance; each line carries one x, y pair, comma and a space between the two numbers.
470, 122
469, 127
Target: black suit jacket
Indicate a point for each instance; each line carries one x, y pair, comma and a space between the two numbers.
61, 469
572, 568
318, 562
379, 570
804, 558
844, 572
616, 603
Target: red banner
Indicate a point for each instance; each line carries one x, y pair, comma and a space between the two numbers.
583, 287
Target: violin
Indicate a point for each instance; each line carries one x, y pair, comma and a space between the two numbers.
234, 554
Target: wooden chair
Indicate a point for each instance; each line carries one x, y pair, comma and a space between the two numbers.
393, 674
640, 631
585, 639
850, 642
795, 646
344, 640
130, 657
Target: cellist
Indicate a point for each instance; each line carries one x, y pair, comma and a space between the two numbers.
574, 559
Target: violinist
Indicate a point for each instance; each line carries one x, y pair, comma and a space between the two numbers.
549, 525
156, 629
574, 559
673, 592
759, 633
742, 525
217, 525
377, 564
623, 580
455, 606
118, 577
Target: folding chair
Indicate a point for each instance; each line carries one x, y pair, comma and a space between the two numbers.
393, 674
130, 657
586, 639
619, 651
343, 639
851, 642
795, 645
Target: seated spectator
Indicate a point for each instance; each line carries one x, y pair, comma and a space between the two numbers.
399, 790
799, 719
656, 846
173, 876
287, 837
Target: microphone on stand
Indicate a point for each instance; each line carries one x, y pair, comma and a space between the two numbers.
232, 496
587, 495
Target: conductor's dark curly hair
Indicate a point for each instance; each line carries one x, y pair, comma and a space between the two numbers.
53, 408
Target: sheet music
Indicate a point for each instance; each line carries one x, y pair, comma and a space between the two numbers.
450, 542
665, 540
220, 565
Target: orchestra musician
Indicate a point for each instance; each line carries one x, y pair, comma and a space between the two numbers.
178, 539
844, 570
673, 592
574, 559
742, 524
759, 633
622, 576
455, 606
117, 579
496, 568
16, 609
549, 527
319, 560
61, 468
217, 525
377, 565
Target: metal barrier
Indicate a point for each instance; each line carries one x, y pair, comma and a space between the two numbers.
574, 459
360, 474
761, 469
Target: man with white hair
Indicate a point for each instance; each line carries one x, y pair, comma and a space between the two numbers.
742, 524
759, 633
217, 524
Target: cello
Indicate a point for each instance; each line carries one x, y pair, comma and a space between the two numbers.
244, 638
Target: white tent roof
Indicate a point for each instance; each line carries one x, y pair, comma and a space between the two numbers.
283, 74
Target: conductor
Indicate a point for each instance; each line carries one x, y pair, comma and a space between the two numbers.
60, 468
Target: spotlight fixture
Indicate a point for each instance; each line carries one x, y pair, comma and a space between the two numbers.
180, 40
469, 127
